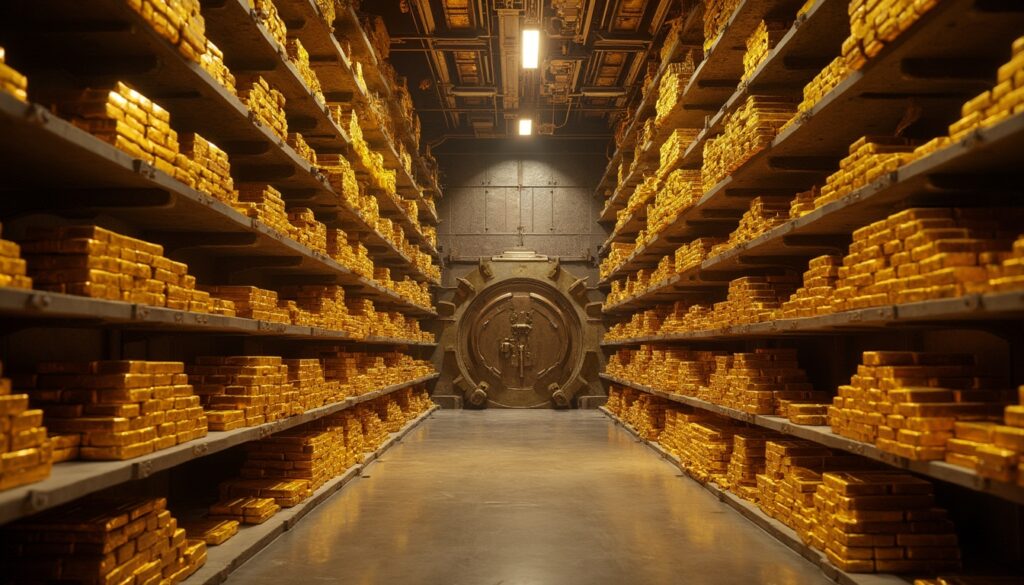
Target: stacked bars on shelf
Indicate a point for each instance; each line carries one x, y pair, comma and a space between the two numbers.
672, 87
991, 449
873, 25
299, 145
212, 61
180, 23
13, 268
748, 129
266, 13
767, 34
95, 262
265, 103
251, 303
119, 409
26, 454
101, 540
129, 121
907, 403
300, 56
209, 169
243, 391
764, 214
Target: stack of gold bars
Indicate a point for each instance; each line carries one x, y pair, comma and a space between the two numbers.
803, 202
930, 253
767, 34
306, 230
765, 213
212, 61
265, 103
95, 262
884, 521
717, 14
26, 454
991, 449
307, 377
301, 148
758, 382
101, 540
211, 532
823, 83
747, 461
11, 81
267, 14
244, 510
362, 373
243, 391
870, 158
907, 403
180, 23
873, 25
128, 120
264, 203
748, 129
120, 409
674, 147
342, 178
300, 56
209, 169
646, 415
619, 253
251, 302
315, 305
989, 107
681, 190
671, 90
13, 268
814, 297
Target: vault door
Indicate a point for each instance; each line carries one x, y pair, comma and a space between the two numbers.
519, 338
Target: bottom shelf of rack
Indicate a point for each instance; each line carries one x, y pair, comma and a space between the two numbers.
226, 558
776, 529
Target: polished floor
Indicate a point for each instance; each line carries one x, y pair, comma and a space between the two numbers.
524, 498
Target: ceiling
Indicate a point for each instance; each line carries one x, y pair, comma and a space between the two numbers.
461, 60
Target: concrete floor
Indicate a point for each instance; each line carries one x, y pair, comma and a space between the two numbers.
524, 498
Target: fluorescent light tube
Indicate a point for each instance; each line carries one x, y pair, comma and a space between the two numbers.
531, 48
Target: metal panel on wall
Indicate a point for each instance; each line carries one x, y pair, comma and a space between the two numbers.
490, 198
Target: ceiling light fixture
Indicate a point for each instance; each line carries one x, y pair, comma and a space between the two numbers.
525, 127
531, 48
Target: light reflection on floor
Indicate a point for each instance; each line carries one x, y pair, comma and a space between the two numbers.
525, 498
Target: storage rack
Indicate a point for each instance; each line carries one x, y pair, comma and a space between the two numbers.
780, 531
871, 101
70, 172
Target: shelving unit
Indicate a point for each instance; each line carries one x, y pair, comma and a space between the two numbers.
919, 80
225, 558
778, 530
74, 479
871, 101
823, 435
60, 172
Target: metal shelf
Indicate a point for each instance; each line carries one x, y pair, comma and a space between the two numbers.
111, 30
714, 80
28, 306
166, 210
250, 49
74, 479
941, 177
976, 309
335, 71
225, 558
778, 530
823, 435
871, 101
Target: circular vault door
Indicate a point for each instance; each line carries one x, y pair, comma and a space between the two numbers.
520, 337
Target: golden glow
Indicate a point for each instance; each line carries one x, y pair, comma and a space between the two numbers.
531, 48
